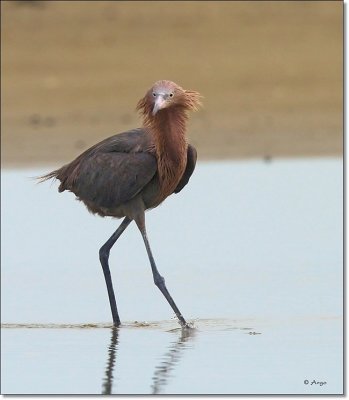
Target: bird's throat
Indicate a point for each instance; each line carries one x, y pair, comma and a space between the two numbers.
169, 136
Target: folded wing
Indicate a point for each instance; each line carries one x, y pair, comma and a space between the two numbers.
110, 179
111, 172
189, 169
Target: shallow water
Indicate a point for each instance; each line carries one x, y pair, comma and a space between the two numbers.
251, 252
219, 356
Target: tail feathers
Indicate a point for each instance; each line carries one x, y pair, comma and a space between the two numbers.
50, 175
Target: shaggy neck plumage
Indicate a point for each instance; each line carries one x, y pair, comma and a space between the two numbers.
168, 130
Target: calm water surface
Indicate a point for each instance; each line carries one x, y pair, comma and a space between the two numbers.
251, 252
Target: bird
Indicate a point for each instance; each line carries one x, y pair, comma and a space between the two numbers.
134, 171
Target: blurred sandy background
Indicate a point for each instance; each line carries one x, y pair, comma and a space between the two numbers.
270, 73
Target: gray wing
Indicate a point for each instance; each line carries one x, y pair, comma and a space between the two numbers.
189, 169
111, 172
110, 179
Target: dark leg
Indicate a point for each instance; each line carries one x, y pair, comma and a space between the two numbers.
104, 257
158, 279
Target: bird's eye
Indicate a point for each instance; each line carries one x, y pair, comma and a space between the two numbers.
154, 94
171, 94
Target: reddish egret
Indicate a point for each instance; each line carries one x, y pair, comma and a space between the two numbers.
128, 173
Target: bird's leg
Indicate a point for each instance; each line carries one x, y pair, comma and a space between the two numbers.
104, 257
158, 279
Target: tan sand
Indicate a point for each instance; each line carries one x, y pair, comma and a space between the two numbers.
270, 72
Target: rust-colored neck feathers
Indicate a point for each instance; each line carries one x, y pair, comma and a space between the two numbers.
168, 130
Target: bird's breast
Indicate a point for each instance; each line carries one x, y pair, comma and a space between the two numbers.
170, 172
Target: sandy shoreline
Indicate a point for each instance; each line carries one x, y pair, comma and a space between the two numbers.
270, 74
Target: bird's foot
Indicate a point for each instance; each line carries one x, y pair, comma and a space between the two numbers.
185, 325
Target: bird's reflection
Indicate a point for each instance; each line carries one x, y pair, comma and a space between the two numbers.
169, 360
108, 379
162, 371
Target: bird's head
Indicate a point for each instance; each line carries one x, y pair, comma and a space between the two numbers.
165, 95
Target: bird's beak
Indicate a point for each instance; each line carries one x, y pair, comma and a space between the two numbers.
159, 104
